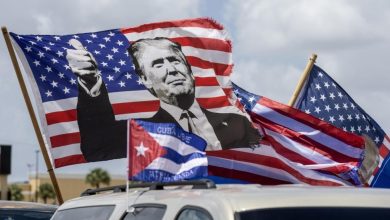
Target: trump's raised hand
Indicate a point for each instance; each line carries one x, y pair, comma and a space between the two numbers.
80, 60
84, 65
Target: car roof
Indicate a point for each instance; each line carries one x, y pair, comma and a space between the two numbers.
26, 206
305, 196
239, 197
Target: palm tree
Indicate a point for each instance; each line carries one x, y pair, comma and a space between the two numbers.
16, 192
98, 176
46, 191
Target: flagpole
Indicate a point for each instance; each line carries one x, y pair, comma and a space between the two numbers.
32, 115
302, 80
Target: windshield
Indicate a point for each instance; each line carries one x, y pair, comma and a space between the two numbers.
315, 213
86, 213
18, 214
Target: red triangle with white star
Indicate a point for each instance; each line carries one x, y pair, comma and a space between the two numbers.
143, 149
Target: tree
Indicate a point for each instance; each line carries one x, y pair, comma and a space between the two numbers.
46, 191
98, 176
16, 192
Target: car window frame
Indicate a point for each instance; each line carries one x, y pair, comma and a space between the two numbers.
193, 207
114, 205
158, 205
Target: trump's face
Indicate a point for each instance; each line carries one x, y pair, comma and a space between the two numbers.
167, 73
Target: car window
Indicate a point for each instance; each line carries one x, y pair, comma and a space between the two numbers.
317, 213
25, 215
86, 213
193, 213
146, 212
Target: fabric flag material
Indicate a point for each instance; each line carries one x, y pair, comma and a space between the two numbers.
324, 98
298, 148
55, 86
164, 152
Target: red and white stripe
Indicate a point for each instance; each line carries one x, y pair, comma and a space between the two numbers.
300, 149
266, 166
208, 50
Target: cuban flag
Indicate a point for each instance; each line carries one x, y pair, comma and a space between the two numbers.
164, 152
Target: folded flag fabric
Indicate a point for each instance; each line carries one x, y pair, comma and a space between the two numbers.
300, 148
164, 152
324, 98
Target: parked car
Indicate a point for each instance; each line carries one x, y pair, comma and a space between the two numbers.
203, 200
14, 210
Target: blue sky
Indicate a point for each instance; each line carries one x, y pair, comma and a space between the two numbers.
272, 40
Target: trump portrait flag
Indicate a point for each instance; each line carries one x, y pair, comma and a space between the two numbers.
87, 85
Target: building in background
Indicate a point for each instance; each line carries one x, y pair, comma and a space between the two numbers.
71, 185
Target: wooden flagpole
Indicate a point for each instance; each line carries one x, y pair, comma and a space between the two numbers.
302, 80
32, 115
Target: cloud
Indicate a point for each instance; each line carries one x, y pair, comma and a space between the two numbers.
73, 16
288, 25
273, 40
44, 23
269, 81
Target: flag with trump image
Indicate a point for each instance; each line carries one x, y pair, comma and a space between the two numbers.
88, 85
164, 152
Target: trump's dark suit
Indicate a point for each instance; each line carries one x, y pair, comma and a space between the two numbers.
232, 130
104, 138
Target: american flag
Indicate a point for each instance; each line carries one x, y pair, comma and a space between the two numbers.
297, 148
164, 152
324, 98
203, 41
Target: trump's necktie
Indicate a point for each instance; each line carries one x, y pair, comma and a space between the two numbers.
188, 115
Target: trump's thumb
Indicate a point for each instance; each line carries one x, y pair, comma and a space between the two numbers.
76, 44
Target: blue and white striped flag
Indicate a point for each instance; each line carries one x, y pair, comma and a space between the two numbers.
164, 152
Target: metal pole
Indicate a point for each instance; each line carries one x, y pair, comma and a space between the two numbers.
36, 175
3, 187
30, 199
